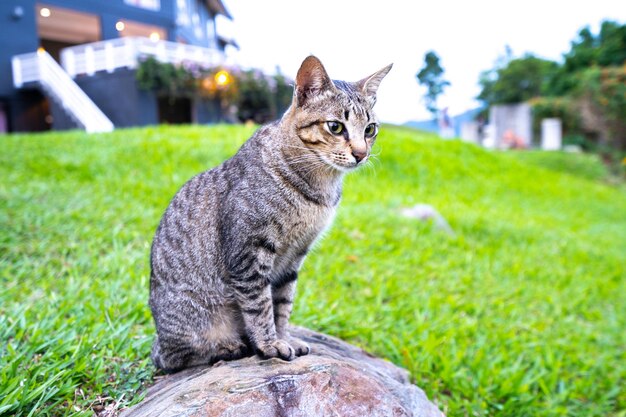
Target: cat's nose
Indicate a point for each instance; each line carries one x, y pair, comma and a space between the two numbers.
359, 154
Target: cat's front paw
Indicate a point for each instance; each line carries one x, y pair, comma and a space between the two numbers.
231, 351
277, 349
301, 348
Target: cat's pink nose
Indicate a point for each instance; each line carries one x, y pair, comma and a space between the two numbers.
359, 154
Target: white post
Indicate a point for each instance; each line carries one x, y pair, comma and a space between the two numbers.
89, 60
69, 62
469, 132
131, 52
161, 52
17, 72
180, 53
551, 134
109, 57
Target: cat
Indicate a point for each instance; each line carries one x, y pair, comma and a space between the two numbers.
226, 254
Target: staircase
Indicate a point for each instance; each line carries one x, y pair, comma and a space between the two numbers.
41, 69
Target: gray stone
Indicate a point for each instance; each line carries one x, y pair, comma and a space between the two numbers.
335, 379
426, 212
512, 125
469, 132
551, 134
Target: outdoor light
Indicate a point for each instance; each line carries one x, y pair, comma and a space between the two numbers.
208, 85
120, 26
18, 12
154, 37
223, 78
44, 12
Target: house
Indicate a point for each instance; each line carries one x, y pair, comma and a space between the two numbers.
72, 63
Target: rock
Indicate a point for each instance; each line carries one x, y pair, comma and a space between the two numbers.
426, 212
335, 379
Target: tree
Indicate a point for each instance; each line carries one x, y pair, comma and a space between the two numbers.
431, 76
587, 91
283, 93
519, 80
606, 49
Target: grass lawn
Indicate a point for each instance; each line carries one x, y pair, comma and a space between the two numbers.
522, 313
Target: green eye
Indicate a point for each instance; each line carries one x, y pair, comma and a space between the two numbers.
370, 130
335, 128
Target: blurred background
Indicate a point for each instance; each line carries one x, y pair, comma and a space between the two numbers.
473, 70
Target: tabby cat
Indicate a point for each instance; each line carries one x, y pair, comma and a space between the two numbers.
226, 255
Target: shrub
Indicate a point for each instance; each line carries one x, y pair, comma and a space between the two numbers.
165, 78
604, 92
255, 95
564, 108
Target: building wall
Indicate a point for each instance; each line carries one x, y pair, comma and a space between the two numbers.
118, 97
110, 11
18, 35
196, 31
511, 121
27, 111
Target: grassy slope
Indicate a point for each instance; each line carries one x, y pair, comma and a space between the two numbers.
521, 313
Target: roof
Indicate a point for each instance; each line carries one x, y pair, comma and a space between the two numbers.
217, 7
227, 41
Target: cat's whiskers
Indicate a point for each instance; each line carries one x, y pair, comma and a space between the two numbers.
370, 166
318, 166
314, 167
303, 160
375, 159
309, 157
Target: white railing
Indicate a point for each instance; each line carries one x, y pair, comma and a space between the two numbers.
39, 67
126, 52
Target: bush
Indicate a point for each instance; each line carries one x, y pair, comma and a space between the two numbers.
604, 91
262, 98
165, 78
255, 95
563, 108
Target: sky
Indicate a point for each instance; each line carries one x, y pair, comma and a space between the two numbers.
353, 39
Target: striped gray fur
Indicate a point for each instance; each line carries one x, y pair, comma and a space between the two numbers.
226, 255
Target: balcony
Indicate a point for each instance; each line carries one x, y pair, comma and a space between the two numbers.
127, 52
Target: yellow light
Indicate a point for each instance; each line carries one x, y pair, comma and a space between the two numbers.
44, 12
120, 26
222, 78
40, 50
207, 84
154, 37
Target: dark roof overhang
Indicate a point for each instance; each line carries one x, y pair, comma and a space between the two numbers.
217, 7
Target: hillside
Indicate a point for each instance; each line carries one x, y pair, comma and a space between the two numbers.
520, 313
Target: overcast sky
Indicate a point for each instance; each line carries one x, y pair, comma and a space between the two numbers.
355, 38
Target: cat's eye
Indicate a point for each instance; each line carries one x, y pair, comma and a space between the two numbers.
335, 128
371, 130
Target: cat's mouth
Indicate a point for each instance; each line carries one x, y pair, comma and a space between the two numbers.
344, 163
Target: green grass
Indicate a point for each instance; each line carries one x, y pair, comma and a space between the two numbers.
522, 313
584, 165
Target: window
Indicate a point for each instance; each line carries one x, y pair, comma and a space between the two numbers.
197, 29
183, 13
210, 33
145, 4
132, 28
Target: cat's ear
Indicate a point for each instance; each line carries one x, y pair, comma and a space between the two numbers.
369, 85
312, 81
